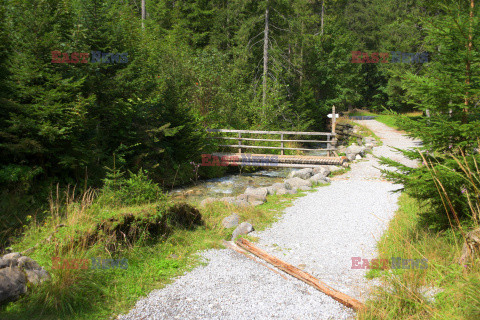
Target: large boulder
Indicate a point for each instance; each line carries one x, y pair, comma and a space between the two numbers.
13, 255
256, 194
243, 228
319, 178
285, 191
352, 151
324, 170
16, 272
302, 173
369, 146
13, 283
335, 168
275, 187
231, 221
296, 183
371, 140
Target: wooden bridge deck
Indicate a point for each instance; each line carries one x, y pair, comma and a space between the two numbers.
269, 160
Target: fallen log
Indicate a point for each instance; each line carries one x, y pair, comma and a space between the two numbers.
302, 275
236, 248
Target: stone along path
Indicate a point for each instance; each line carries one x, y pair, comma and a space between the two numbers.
320, 233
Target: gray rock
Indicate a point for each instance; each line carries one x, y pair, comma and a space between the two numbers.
319, 179
324, 170
256, 203
304, 188
296, 183
4, 263
275, 187
302, 173
12, 255
358, 157
231, 221
243, 228
353, 150
37, 276
13, 283
285, 191
251, 198
335, 168
260, 194
26, 263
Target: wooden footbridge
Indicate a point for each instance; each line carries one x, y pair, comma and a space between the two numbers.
274, 160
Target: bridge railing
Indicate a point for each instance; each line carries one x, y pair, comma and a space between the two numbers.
330, 140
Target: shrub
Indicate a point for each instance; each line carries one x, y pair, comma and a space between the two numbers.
134, 190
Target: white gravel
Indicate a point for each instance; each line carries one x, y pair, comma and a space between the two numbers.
320, 233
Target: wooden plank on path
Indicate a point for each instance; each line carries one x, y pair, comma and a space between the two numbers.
302, 275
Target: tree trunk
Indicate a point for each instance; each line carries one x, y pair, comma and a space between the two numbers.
471, 248
321, 19
265, 61
467, 73
143, 14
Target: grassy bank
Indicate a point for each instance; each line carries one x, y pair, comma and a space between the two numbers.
156, 238
444, 290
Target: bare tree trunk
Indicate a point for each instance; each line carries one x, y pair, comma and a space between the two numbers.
469, 49
265, 61
143, 14
321, 19
301, 54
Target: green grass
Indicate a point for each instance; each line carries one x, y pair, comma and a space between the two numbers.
152, 263
400, 295
391, 120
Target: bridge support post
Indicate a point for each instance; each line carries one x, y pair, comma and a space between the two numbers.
281, 145
240, 142
329, 145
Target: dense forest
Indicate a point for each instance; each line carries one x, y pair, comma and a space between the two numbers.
68, 116
104, 106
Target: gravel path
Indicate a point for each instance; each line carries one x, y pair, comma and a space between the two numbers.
320, 233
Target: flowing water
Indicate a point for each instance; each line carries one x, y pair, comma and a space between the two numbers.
233, 185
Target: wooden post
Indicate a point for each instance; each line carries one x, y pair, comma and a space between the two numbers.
281, 144
239, 142
328, 145
334, 121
